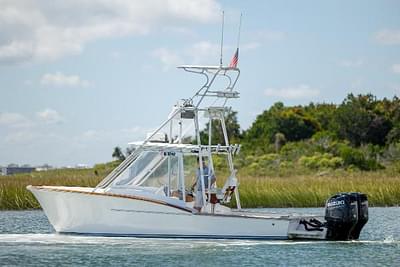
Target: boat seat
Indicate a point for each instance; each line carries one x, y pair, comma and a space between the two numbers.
228, 193
216, 195
221, 195
228, 189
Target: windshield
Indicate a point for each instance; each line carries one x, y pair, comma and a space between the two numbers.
160, 176
138, 168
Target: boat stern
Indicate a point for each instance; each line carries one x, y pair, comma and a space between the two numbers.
345, 216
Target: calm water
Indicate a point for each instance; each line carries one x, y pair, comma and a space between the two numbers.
27, 239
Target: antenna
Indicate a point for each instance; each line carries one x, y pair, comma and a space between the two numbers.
222, 38
240, 26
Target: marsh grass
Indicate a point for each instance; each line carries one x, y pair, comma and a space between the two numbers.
295, 190
314, 190
15, 196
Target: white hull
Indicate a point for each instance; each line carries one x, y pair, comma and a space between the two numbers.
78, 210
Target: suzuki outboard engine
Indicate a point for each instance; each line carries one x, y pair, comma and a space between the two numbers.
362, 203
345, 215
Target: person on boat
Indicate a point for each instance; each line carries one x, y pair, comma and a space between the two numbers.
198, 203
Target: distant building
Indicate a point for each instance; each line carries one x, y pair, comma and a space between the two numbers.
82, 166
14, 170
44, 167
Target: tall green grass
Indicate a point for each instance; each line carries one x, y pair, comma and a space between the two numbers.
15, 196
314, 190
382, 187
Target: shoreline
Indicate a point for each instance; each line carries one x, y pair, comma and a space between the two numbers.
286, 191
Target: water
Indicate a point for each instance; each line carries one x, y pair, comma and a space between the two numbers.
27, 239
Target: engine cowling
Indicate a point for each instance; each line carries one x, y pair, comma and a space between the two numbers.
345, 215
362, 203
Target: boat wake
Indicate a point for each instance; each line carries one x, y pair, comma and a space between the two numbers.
54, 238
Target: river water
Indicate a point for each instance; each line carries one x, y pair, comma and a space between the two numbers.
27, 239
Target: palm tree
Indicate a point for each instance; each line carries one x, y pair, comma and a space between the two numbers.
117, 154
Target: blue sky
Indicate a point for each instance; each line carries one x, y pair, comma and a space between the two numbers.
78, 78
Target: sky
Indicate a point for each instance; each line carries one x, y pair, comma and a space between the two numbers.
80, 77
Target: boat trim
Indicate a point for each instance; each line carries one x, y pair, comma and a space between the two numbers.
46, 188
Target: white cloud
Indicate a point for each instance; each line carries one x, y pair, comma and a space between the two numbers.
14, 120
60, 79
167, 57
181, 31
297, 92
388, 37
48, 30
132, 132
18, 121
49, 116
396, 68
202, 52
15, 51
348, 63
20, 137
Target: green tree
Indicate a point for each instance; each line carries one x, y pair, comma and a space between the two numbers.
293, 122
232, 128
391, 109
360, 120
324, 114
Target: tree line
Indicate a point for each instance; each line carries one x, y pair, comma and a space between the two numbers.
362, 132
360, 120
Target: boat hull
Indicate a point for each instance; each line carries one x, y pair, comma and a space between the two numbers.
84, 212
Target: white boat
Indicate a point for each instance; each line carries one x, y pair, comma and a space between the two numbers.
148, 194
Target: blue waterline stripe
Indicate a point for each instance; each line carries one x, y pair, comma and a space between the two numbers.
240, 237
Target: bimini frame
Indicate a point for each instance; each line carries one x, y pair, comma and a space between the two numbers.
189, 109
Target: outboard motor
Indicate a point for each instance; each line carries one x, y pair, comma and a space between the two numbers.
362, 203
345, 215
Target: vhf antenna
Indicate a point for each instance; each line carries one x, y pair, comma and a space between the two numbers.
222, 38
240, 26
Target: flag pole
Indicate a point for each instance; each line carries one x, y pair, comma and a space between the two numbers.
222, 38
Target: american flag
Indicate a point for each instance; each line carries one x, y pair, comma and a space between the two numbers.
235, 59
